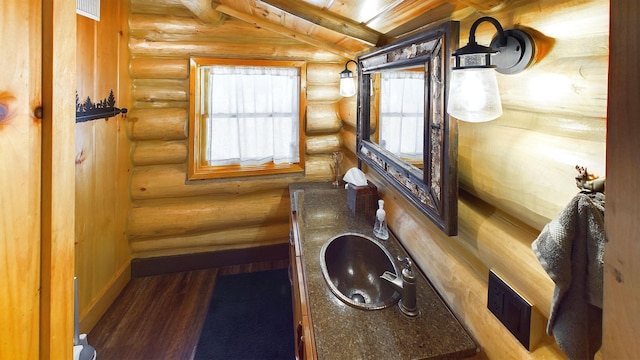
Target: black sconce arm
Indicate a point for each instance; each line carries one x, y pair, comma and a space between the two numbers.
496, 24
513, 49
346, 70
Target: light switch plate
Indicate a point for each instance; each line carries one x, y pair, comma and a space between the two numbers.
514, 311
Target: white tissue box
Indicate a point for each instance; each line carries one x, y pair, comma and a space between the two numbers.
362, 199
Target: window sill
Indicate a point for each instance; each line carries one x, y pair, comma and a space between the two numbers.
235, 171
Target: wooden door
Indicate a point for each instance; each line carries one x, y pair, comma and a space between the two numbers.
36, 178
20, 178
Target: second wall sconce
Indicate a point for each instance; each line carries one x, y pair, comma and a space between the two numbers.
473, 92
347, 82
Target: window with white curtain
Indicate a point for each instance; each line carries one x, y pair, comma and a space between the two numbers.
246, 117
402, 113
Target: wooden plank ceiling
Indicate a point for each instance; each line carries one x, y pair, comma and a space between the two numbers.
343, 27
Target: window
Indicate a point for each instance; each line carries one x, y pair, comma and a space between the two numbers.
246, 117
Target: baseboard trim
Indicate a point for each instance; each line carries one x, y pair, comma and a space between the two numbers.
89, 317
189, 262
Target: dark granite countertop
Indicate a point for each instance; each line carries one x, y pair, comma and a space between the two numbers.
344, 332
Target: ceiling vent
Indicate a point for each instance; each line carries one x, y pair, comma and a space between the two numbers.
88, 8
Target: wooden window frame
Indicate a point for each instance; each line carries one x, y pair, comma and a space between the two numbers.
198, 167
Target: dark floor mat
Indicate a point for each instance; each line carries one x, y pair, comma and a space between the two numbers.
250, 317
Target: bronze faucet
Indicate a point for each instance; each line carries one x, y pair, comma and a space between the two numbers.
405, 285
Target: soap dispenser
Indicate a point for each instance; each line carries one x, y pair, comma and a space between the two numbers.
380, 229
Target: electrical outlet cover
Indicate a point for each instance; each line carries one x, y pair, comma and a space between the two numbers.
510, 308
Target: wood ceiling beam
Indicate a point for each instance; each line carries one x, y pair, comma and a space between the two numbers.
443, 11
284, 31
203, 10
327, 20
484, 5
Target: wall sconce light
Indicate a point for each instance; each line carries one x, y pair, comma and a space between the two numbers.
473, 91
347, 82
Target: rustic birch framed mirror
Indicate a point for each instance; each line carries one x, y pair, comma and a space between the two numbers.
404, 132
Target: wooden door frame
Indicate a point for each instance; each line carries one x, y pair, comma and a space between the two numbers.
622, 270
58, 179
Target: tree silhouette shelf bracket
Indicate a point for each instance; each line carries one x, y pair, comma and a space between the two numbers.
104, 109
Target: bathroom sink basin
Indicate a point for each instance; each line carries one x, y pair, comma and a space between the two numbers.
351, 266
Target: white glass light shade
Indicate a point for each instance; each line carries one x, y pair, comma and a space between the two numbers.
474, 95
347, 86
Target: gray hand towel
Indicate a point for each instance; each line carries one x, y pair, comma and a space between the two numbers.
570, 249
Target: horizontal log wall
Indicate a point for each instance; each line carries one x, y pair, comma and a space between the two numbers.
170, 215
515, 173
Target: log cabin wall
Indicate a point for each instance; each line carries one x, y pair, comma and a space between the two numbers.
515, 173
170, 215
102, 164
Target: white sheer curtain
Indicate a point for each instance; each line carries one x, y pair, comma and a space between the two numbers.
402, 113
252, 114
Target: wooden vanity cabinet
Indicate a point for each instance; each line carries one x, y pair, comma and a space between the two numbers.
302, 327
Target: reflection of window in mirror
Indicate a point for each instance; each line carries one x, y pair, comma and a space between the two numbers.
401, 114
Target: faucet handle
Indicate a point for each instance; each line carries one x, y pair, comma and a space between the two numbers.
406, 261
407, 272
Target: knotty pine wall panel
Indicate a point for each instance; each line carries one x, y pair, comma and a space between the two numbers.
21, 186
102, 165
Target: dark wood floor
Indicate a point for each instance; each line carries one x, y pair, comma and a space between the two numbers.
161, 317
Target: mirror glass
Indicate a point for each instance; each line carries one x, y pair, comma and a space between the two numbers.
399, 107
404, 132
